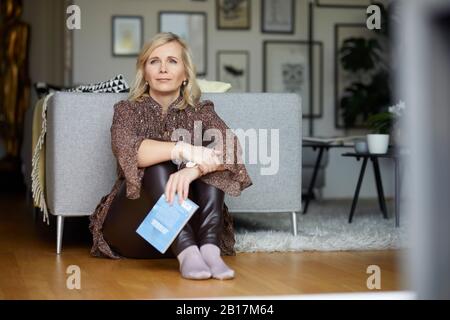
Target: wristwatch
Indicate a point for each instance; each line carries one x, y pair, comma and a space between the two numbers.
191, 164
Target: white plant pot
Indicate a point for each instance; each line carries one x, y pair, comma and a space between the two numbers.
378, 143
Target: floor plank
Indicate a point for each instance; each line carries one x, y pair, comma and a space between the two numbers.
30, 269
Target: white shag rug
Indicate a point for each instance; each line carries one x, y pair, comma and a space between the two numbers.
324, 228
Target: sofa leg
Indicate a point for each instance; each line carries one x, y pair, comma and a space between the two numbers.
59, 233
294, 223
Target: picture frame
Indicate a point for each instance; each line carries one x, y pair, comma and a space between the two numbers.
233, 14
127, 35
343, 79
190, 26
285, 65
233, 68
278, 16
356, 4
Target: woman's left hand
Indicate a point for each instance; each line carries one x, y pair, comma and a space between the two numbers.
179, 182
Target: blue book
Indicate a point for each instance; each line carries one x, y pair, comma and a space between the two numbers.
164, 222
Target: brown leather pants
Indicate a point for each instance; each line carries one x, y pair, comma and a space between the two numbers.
125, 215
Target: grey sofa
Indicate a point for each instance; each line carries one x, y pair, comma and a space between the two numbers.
80, 167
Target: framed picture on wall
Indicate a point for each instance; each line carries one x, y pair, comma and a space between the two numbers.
233, 68
352, 86
127, 35
277, 16
286, 69
344, 3
233, 14
191, 27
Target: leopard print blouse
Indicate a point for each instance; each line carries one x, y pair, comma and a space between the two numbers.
145, 119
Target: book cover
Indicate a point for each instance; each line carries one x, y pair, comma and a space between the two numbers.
164, 222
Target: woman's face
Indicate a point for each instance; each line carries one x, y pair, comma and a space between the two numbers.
164, 69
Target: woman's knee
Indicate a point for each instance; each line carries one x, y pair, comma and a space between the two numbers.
157, 175
210, 201
207, 195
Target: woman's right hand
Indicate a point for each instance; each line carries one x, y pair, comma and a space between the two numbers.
201, 155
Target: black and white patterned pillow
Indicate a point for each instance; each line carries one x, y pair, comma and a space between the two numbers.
116, 84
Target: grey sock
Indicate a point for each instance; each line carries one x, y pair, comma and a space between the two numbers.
192, 265
211, 255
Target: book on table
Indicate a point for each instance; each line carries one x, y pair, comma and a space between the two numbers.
338, 140
164, 222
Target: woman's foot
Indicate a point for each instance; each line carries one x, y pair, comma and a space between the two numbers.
192, 265
211, 255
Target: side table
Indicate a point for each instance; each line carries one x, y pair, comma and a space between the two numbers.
376, 168
321, 146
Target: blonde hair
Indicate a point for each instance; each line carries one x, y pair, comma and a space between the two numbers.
190, 92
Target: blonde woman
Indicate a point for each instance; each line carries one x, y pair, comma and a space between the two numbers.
152, 159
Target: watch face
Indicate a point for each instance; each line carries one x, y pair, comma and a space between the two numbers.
190, 164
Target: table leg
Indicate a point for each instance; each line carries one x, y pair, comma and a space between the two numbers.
397, 192
313, 179
358, 187
381, 200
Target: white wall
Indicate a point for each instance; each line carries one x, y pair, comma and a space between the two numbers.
93, 61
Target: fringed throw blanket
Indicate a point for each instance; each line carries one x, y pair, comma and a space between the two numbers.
114, 85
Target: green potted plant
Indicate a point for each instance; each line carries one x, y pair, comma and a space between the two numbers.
383, 125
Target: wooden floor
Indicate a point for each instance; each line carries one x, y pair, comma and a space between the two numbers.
30, 269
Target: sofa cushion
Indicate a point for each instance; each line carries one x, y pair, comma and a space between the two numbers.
213, 86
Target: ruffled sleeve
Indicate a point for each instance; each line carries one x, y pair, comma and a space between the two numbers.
125, 142
235, 177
